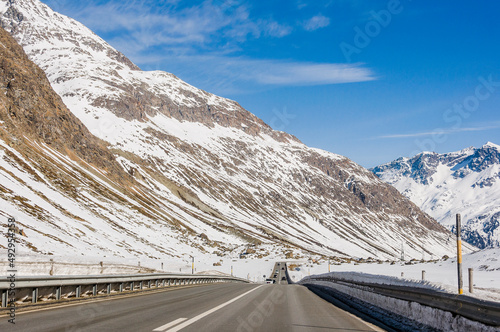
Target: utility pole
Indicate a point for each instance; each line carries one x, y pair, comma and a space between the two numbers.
192, 265
459, 255
402, 251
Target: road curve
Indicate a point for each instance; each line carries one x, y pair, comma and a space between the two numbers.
218, 307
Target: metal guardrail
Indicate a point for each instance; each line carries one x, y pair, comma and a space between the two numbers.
487, 312
55, 286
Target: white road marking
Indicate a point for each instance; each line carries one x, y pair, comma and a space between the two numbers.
171, 324
206, 313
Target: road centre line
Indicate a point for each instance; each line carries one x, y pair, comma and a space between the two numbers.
208, 312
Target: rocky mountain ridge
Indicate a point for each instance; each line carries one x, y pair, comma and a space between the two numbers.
466, 182
202, 174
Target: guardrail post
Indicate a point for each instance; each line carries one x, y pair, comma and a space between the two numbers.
140, 285
121, 287
131, 285
94, 290
34, 295
423, 274
156, 283
471, 282
108, 289
4, 298
58, 292
78, 291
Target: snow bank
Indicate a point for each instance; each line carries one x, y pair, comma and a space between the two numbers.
439, 319
440, 274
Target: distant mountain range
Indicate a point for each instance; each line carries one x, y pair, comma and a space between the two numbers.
465, 182
120, 161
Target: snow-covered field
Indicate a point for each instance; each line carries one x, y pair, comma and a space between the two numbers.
41, 265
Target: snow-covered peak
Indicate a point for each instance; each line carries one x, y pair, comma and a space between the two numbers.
491, 145
466, 182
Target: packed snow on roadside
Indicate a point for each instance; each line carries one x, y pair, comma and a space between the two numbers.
28, 264
409, 312
440, 275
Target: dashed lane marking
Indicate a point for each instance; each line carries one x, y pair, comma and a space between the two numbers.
208, 312
169, 325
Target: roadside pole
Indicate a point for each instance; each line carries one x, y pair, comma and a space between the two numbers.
459, 255
471, 282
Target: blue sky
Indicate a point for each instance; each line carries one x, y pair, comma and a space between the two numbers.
371, 80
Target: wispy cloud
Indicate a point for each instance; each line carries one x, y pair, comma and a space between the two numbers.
440, 132
293, 73
316, 22
204, 24
220, 73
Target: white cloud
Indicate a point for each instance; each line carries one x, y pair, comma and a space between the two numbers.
204, 24
316, 22
274, 29
222, 72
440, 132
297, 73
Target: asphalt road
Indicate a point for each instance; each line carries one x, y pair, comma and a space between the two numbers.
278, 273
219, 307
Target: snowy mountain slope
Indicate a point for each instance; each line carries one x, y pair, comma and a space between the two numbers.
205, 165
465, 182
67, 191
